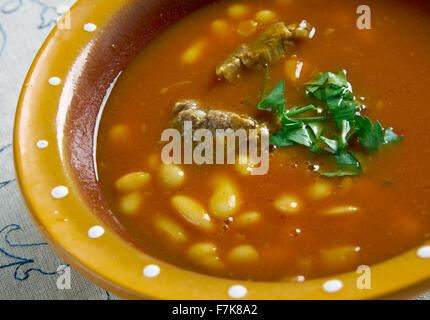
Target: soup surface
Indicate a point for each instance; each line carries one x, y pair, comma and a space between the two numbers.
291, 223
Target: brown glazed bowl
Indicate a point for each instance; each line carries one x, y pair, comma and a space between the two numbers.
56, 121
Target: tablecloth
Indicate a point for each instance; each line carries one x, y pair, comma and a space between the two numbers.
29, 269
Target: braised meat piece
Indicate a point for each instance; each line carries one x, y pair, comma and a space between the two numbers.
190, 110
271, 45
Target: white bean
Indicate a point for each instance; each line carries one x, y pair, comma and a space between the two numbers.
320, 190
335, 258
244, 254
119, 133
244, 165
247, 28
193, 53
192, 212
220, 28
287, 204
341, 210
131, 203
132, 181
238, 11
205, 254
247, 219
265, 16
172, 175
225, 201
172, 229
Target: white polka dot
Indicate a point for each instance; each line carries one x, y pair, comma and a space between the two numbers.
151, 271
332, 286
301, 279
42, 144
59, 192
90, 27
96, 232
237, 291
54, 81
424, 252
56, 212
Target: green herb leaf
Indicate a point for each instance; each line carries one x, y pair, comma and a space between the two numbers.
370, 136
275, 100
333, 145
345, 130
345, 111
338, 174
300, 136
347, 162
288, 137
317, 128
332, 126
280, 139
331, 88
391, 137
297, 110
348, 166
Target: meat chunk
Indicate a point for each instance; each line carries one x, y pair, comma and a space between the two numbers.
190, 110
271, 45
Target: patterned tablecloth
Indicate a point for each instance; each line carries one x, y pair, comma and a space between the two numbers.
29, 269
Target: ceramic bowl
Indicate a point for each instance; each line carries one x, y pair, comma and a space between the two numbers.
62, 99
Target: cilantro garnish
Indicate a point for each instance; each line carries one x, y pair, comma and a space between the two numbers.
336, 120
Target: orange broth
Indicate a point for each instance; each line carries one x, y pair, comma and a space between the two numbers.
388, 67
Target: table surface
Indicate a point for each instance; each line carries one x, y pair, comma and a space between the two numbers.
29, 269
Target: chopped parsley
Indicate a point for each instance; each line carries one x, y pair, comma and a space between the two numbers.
335, 122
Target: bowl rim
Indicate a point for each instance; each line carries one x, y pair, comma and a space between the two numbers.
64, 219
